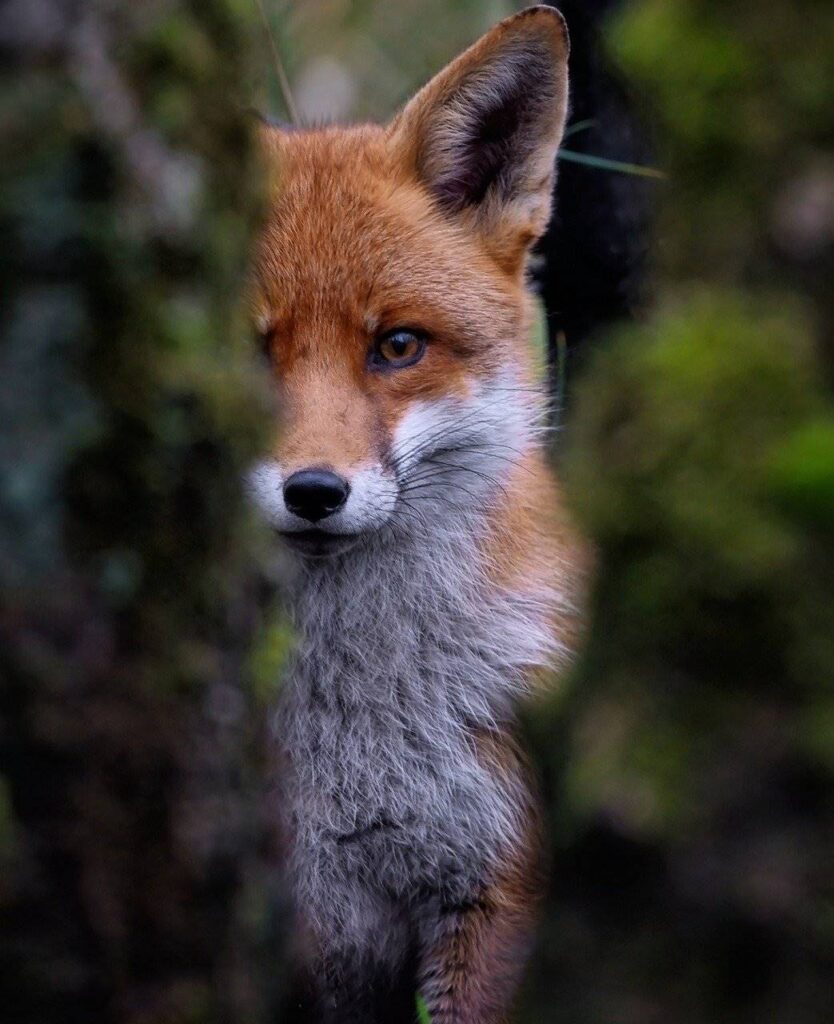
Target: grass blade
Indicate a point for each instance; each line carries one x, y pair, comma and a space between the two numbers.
604, 164
423, 1015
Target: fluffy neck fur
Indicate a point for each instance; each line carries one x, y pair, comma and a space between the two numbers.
405, 651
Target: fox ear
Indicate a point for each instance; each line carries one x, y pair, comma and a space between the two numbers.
482, 135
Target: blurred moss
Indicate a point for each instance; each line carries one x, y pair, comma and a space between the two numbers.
707, 575
743, 94
802, 472
690, 756
270, 652
131, 727
685, 416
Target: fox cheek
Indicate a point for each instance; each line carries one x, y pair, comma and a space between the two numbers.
264, 485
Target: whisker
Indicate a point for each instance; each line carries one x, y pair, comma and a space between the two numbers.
439, 496
470, 421
470, 416
475, 472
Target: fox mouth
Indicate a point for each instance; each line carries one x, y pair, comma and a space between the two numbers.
318, 543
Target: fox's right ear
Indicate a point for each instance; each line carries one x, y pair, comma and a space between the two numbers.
483, 135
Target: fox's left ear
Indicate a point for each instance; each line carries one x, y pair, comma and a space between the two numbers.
482, 136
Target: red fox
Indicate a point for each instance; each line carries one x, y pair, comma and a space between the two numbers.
434, 566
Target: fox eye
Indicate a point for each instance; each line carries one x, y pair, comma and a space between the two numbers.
398, 348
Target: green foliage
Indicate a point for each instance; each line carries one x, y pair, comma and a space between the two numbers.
270, 650
743, 93
712, 575
691, 759
658, 395
423, 1015
802, 472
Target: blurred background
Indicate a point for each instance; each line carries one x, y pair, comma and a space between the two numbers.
687, 763
351, 61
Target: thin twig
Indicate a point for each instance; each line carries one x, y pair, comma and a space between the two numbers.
283, 80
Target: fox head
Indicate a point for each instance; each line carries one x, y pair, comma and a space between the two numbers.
390, 294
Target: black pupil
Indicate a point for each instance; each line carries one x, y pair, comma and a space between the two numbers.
399, 343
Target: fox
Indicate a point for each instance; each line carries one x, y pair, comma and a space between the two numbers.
434, 572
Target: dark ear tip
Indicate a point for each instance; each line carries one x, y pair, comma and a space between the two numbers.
550, 19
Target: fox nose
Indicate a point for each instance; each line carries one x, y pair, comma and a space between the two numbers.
314, 494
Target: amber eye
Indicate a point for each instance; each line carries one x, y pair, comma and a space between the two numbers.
398, 348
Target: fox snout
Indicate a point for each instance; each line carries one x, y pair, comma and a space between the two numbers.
445, 461
315, 494
320, 510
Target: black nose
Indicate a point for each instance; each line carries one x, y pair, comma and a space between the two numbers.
315, 493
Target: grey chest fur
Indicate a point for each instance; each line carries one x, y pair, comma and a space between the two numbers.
397, 666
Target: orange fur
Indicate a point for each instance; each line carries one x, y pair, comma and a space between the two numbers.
356, 243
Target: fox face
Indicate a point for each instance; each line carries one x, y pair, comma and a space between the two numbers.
390, 295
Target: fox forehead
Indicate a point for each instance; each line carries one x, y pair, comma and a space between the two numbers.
353, 245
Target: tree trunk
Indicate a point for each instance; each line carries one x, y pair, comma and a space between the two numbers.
133, 873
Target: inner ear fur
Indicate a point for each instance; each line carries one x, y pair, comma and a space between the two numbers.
482, 136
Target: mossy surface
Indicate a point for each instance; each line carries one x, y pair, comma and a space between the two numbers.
135, 886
